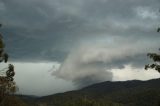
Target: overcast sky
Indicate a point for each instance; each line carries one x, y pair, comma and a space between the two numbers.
61, 45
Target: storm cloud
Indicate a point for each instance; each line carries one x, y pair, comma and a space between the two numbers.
92, 64
52, 27
81, 72
87, 38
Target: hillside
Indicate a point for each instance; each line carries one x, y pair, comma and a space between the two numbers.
13, 101
121, 93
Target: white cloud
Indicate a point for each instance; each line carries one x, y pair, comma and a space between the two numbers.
90, 63
82, 73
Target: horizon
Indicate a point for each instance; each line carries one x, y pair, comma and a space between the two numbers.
87, 86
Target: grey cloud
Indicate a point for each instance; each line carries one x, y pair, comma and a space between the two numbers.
91, 64
48, 30
88, 37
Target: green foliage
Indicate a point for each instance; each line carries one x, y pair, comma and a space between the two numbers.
156, 65
82, 101
11, 100
156, 58
7, 84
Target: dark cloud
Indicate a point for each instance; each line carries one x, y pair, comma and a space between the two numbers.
115, 33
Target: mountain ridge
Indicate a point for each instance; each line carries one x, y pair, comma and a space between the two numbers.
108, 93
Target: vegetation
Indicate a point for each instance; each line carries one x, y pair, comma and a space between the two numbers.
156, 65
127, 93
7, 84
156, 58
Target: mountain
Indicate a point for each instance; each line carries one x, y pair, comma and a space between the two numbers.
120, 93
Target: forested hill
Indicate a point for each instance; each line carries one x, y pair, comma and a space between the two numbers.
108, 87
121, 93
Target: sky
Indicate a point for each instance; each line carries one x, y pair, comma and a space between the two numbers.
61, 45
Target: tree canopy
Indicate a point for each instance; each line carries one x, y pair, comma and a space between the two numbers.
156, 65
156, 59
7, 84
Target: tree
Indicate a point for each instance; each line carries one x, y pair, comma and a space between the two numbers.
156, 58
7, 84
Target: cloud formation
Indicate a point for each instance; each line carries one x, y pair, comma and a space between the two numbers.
92, 64
87, 37
47, 30
75, 68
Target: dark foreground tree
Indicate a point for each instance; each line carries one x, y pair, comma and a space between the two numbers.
156, 58
7, 84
